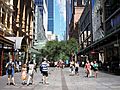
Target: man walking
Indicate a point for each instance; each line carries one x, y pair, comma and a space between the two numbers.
44, 69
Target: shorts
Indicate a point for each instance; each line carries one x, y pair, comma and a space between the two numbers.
45, 73
76, 69
10, 73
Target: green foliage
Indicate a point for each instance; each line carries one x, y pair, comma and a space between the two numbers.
55, 50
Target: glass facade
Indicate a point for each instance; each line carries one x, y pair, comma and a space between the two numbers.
40, 5
51, 15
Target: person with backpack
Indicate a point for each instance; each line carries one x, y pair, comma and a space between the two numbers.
10, 72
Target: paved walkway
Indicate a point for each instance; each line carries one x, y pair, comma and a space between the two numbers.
61, 80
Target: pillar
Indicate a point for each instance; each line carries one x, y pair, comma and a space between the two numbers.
2, 56
23, 20
18, 16
11, 6
27, 29
6, 16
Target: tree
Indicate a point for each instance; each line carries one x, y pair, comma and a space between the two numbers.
55, 50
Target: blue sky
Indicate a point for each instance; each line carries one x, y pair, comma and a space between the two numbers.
59, 19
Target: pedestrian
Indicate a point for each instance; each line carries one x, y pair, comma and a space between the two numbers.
17, 65
35, 68
44, 69
30, 73
24, 74
76, 68
72, 67
88, 68
95, 66
10, 69
92, 68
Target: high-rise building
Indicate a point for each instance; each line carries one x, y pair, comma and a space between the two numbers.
39, 31
42, 5
69, 11
77, 10
74, 9
51, 15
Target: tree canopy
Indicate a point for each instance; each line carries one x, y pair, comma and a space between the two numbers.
56, 50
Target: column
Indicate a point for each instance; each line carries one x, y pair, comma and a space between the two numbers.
18, 16
23, 20
27, 29
31, 31
1, 13
11, 6
6, 16
2, 57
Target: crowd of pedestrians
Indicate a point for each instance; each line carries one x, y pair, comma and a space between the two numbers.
89, 67
28, 69
27, 72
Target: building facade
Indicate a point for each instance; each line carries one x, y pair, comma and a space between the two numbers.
85, 27
51, 36
111, 10
73, 26
103, 34
51, 15
69, 11
16, 25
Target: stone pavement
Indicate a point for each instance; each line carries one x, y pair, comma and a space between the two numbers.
60, 79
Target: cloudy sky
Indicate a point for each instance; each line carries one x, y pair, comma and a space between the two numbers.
60, 18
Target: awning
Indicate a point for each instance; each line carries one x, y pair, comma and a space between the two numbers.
32, 50
17, 40
6, 41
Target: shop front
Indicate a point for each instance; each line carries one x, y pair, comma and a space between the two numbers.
6, 52
106, 51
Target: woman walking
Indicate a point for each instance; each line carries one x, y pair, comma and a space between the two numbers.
95, 66
24, 74
88, 68
30, 73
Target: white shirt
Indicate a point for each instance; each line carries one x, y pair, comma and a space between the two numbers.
31, 68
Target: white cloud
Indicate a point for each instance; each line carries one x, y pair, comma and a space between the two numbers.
62, 8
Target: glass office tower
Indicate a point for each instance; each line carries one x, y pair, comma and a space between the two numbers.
51, 15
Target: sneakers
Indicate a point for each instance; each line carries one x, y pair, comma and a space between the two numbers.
14, 84
11, 84
47, 83
8, 83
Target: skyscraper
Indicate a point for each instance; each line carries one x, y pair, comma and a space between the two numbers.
51, 15
42, 5
69, 11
